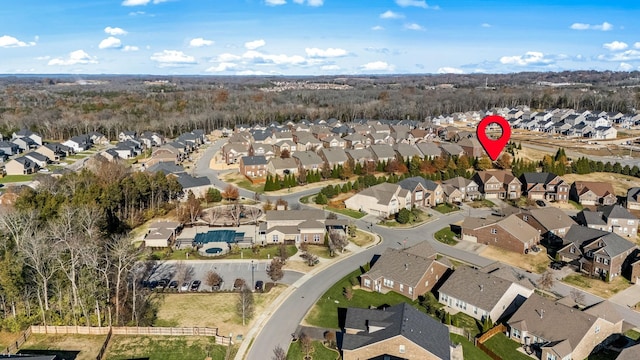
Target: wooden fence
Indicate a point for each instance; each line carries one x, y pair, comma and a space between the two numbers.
488, 335
13, 348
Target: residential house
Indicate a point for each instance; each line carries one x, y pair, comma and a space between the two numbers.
306, 141
53, 151
633, 198
161, 234
596, 252
285, 145
509, 233
396, 332
78, 143
263, 137
333, 156
471, 147
357, 141
451, 194
295, 226
449, 149
382, 153
418, 135
410, 272
242, 137
112, 155
165, 153
253, 166
552, 330
406, 152
333, 142
20, 166
40, 160
232, 152
429, 150
25, 133
629, 353
380, 200
124, 150
467, 187
604, 133
197, 185
423, 192
281, 167
593, 193
127, 135
166, 168
265, 150
481, 294
9, 148
308, 161
498, 184
551, 222
360, 156
613, 218
148, 139
545, 186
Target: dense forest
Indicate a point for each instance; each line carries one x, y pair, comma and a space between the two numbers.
63, 106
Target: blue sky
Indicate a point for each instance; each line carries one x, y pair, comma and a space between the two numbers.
316, 37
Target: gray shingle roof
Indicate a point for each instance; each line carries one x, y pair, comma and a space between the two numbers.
401, 266
411, 183
616, 212
166, 167
307, 158
383, 192
552, 218
475, 287
538, 178
254, 160
399, 320
187, 181
614, 244
334, 155
382, 151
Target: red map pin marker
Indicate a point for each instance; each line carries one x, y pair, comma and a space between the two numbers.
491, 146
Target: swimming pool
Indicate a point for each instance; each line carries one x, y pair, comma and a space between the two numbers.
213, 236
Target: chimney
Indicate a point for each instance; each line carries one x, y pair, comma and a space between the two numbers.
406, 266
481, 287
541, 313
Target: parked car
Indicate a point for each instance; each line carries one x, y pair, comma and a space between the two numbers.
238, 284
163, 283
541, 203
195, 285
557, 265
259, 285
185, 286
173, 285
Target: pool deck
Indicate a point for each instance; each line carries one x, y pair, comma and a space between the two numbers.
190, 233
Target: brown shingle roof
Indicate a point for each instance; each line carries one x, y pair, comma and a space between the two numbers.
400, 266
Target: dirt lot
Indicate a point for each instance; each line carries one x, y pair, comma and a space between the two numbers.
536, 263
210, 310
87, 345
620, 182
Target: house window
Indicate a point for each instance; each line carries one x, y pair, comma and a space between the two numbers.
401, 287
410, 290
306, 237
605, 261
516, 333
388, 283
551, 356
401, 349
426, 283
367, 283
494, 231
525, 218
316, 237
630, 222
572, 250
275, 238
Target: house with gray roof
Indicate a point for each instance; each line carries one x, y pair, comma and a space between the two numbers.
380, 200
40, 160
613, 218
596, 252
9, 148
278, 166
409, 272
551, 222
468, 188
26, 133
198, 185
166, 167
407, 151
308, 161
544, 186
551, 330
382, 153
357, 141
253, 166
20, 166
429, 150
333, 156
396, 332
633, 198
423, 192
509, 233
360, 156
265, 150
232, 152
296, 226
482, 295
450, 149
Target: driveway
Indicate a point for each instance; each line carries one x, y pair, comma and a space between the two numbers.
628, 297
228, 270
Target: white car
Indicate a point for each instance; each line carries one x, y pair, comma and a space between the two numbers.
185, 286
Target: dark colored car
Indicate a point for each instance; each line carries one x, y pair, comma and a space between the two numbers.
238, 284
259, 285
541, 203
556, 265
153, 284
173, 285
195, 285
163, 283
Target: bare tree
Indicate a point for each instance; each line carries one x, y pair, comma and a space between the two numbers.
235, 211
213, 279
545, 282
577, 296
230, 193
338, 239
123, 257
306, 344
253, 213
41, 259
183, 272
190, 210
275, 271
244, 306
279, 353
213, 214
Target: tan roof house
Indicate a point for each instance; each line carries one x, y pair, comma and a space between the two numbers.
593, 193
380, 200
498, 184
509, 233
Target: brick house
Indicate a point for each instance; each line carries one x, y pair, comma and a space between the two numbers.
545, 186
551, 222
509, 233
423, 192
596, 252
613, 218
396, 332
471, 147
593, 193
232, 152
552, 330
410, 272
467, 187
253, 166
498, 184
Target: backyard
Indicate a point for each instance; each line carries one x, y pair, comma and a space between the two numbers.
534, 262
505, 348
123, 347
319, 352
471, 352
84, 347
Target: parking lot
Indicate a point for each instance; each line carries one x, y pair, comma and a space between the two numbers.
228, 271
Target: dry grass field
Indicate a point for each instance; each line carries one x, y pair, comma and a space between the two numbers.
87, 345
536, 263
619, 182
217, 310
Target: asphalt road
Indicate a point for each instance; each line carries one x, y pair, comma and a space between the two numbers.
285, 320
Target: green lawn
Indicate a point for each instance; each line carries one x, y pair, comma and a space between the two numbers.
76, 157
348, 212
306, 199
470, 351
320, 251
319, 352
505, 348
446, 208
246, 184
445, 235
632, 334
164, 348
465, 321
325, 312
15, 178
576, 205
482, 203
577, 280
266, 252
417, 217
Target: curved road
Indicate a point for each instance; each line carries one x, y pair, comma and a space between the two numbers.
287, 317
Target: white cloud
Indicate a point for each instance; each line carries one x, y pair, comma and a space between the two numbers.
170, 58
251, 72
7, 41
636, 45
141, 2
450, 70
417, 3
485, 25
328, 53
628, 55
377, 28
529, 58
413, 26
605, 26
200, 42
110, 43
330, 67
377, 66
46, 57
252, 45
282, 59
275, 2
114, 31
136, 13
78, 57
130, 48
625, 67
615, 45
226, 57
224, 66
391, 15
313, 3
